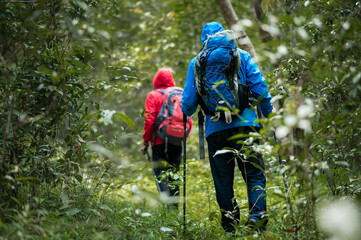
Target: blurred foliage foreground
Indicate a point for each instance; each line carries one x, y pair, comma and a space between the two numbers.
74, 75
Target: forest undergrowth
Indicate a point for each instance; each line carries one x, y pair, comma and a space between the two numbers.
120, 201
74, 76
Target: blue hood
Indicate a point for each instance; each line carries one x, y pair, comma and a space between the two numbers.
210, 29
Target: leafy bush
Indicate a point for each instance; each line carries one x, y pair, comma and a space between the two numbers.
73, 80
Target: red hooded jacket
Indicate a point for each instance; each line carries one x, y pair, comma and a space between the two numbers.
162, 80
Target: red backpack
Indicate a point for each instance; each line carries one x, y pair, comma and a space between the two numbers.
169, 123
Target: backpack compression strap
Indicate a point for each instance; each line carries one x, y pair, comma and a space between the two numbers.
200, 71
155, 127
232, 79
232, 75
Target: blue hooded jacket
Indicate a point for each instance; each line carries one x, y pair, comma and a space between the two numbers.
256, 82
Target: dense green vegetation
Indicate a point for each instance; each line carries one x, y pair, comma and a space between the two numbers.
74, 75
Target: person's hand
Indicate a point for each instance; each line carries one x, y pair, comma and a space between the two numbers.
274, 110
144, 148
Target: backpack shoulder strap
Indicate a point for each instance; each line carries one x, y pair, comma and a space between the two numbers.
199, 73
200, 70
160, 90
240, 69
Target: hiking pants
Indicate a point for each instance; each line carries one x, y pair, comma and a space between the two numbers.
172, 158
222, 167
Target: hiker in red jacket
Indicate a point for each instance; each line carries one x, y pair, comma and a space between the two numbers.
169, 153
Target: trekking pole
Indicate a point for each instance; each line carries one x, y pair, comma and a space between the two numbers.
184, 169
151, 165
201, 134
286, 187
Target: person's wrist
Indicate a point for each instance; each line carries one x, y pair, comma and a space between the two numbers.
146, 144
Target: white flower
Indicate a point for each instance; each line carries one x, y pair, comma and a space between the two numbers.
107, 116
246, 22
341, 219
135, 189
165, 229
290, 120
305, 125
317, 22
302, 32
346, 25
304, 111
282, 50
282, 131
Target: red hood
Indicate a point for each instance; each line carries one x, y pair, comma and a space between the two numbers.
163, 79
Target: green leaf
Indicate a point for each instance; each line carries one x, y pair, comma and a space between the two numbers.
264, 5
16, 200
86, 117
102, 150
212, 215
257, 166
258, 187
279, 193
225, 152
238, 136
126, 119
72, 211
78, 177
25, 178
273, 4
65, 196
105, 207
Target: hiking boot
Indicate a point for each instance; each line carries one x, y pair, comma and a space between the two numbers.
254, 224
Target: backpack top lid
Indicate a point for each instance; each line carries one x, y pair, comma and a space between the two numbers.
225, 38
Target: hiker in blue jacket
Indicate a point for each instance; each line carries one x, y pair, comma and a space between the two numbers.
219, 132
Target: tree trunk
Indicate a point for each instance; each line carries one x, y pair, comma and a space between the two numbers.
258, 15
231, 19
258, 12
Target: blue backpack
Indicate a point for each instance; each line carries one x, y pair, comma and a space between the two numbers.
220, 91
